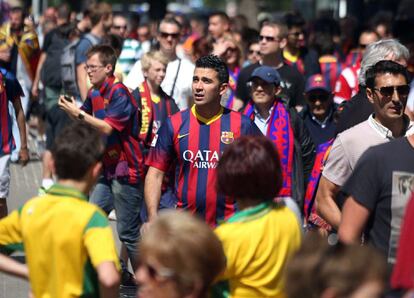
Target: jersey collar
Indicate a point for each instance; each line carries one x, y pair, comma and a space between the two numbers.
253, 212
65, 191
205, 120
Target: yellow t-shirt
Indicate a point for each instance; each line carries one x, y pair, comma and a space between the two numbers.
257, 243
64, 238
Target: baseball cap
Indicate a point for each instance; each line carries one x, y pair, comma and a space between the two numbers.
315, 82
267, 74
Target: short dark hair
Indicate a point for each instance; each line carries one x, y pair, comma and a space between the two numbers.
294, 19
107, 54
383, 67
216, 63
250, 168
222, 15
97, 11
75, 150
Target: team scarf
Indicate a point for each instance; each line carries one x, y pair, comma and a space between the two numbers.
148, 115
233, 76
311, 218
281, 134
114, 158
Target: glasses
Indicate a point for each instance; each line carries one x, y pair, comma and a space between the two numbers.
268, 38
158, 274
388, 91
92, 68
119, 27
256, 83
314, 97
254, 52
166, 35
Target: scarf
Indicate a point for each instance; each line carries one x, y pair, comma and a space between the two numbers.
309, 212
280, 133
149, 116
233, 76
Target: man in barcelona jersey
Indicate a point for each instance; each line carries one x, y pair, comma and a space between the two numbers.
194, 140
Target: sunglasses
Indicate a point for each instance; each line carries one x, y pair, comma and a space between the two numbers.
119, 27
166, 35
268, 38
313, 97
388, 91
254, 52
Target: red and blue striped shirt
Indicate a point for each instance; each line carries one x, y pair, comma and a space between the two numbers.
196, 144
123, 158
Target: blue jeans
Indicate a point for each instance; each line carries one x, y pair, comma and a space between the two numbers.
127, 200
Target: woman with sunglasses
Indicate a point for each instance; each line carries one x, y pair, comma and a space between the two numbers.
179, 257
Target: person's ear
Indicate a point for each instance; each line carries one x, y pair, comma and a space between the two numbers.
283, 43
223, 88
109, 69
370, 95
278, 90
96, 169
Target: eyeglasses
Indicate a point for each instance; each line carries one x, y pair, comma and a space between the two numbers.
257, 82
92, 68
314, 97
157, 274
268, 38
254, 52
120, 27
388, 91
166, 35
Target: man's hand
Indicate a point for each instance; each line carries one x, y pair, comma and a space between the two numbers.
24, 156
68, 104
35, 91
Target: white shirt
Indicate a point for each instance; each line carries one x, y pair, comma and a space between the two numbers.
182, 89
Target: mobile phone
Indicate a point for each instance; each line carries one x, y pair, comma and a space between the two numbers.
67, 98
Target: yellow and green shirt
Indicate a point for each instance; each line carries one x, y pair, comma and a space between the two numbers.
64, 239
257, 243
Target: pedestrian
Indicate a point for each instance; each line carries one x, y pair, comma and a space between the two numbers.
261, 236
195, 138
77, 246
110, 108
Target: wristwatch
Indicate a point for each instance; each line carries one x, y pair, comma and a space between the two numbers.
81, 115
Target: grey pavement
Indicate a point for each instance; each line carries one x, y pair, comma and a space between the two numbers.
24, 185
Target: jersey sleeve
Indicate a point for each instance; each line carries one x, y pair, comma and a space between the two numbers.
337, 167
99, 241
87, 105
11, 238
364, 184
161, 153
120, 109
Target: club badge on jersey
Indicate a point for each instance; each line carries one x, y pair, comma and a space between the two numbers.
227, 137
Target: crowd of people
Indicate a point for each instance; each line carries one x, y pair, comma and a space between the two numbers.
236, 162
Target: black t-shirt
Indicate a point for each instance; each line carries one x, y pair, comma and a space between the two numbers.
355, 111
293, 84
53, 47
383, 181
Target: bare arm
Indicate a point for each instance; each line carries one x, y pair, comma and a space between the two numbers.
81, 80
354, 219
109, 279
35, 85
21, 123
326, 206
152, 191
73, 111
12, 267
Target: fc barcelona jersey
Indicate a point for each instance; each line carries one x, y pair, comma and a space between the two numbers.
196, 144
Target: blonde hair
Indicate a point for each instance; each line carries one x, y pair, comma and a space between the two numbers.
187, 246
148, 57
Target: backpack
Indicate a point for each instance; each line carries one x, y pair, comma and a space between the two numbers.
68, 65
